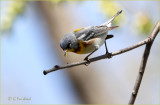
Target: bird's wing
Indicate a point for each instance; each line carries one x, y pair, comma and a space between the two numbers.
90, 32
87, 33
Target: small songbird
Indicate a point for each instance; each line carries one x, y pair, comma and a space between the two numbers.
88, 39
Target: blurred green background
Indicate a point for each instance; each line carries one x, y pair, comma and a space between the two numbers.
30, 36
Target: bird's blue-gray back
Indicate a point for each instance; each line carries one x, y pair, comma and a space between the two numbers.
91, 32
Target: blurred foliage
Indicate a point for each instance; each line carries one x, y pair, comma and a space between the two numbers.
12, 10
57, 1
143, 23
110, 8
60, 1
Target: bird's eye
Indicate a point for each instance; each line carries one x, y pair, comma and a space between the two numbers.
69, 46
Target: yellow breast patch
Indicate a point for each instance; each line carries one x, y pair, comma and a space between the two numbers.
82, 48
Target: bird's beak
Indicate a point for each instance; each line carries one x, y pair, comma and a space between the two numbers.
65, 53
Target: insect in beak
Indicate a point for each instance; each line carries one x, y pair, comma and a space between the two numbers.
65, 53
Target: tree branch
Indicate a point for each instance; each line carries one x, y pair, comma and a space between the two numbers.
145, 41
143, 64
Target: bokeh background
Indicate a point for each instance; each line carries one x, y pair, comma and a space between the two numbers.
30, 36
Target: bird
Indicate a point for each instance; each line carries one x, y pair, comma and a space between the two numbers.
88, 39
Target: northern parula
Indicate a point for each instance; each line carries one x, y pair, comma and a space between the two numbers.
88, 39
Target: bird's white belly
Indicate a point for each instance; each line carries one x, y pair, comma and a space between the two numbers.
96, 44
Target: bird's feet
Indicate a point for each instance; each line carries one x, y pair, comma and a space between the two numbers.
109, 55
88, 61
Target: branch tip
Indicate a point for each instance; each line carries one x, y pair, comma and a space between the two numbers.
44, 72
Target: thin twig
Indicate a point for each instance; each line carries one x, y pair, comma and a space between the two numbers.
145, 41
143, 64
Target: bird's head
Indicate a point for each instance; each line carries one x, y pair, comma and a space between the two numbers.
69, 43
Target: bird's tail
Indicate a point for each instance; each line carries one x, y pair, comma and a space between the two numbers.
109, 22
